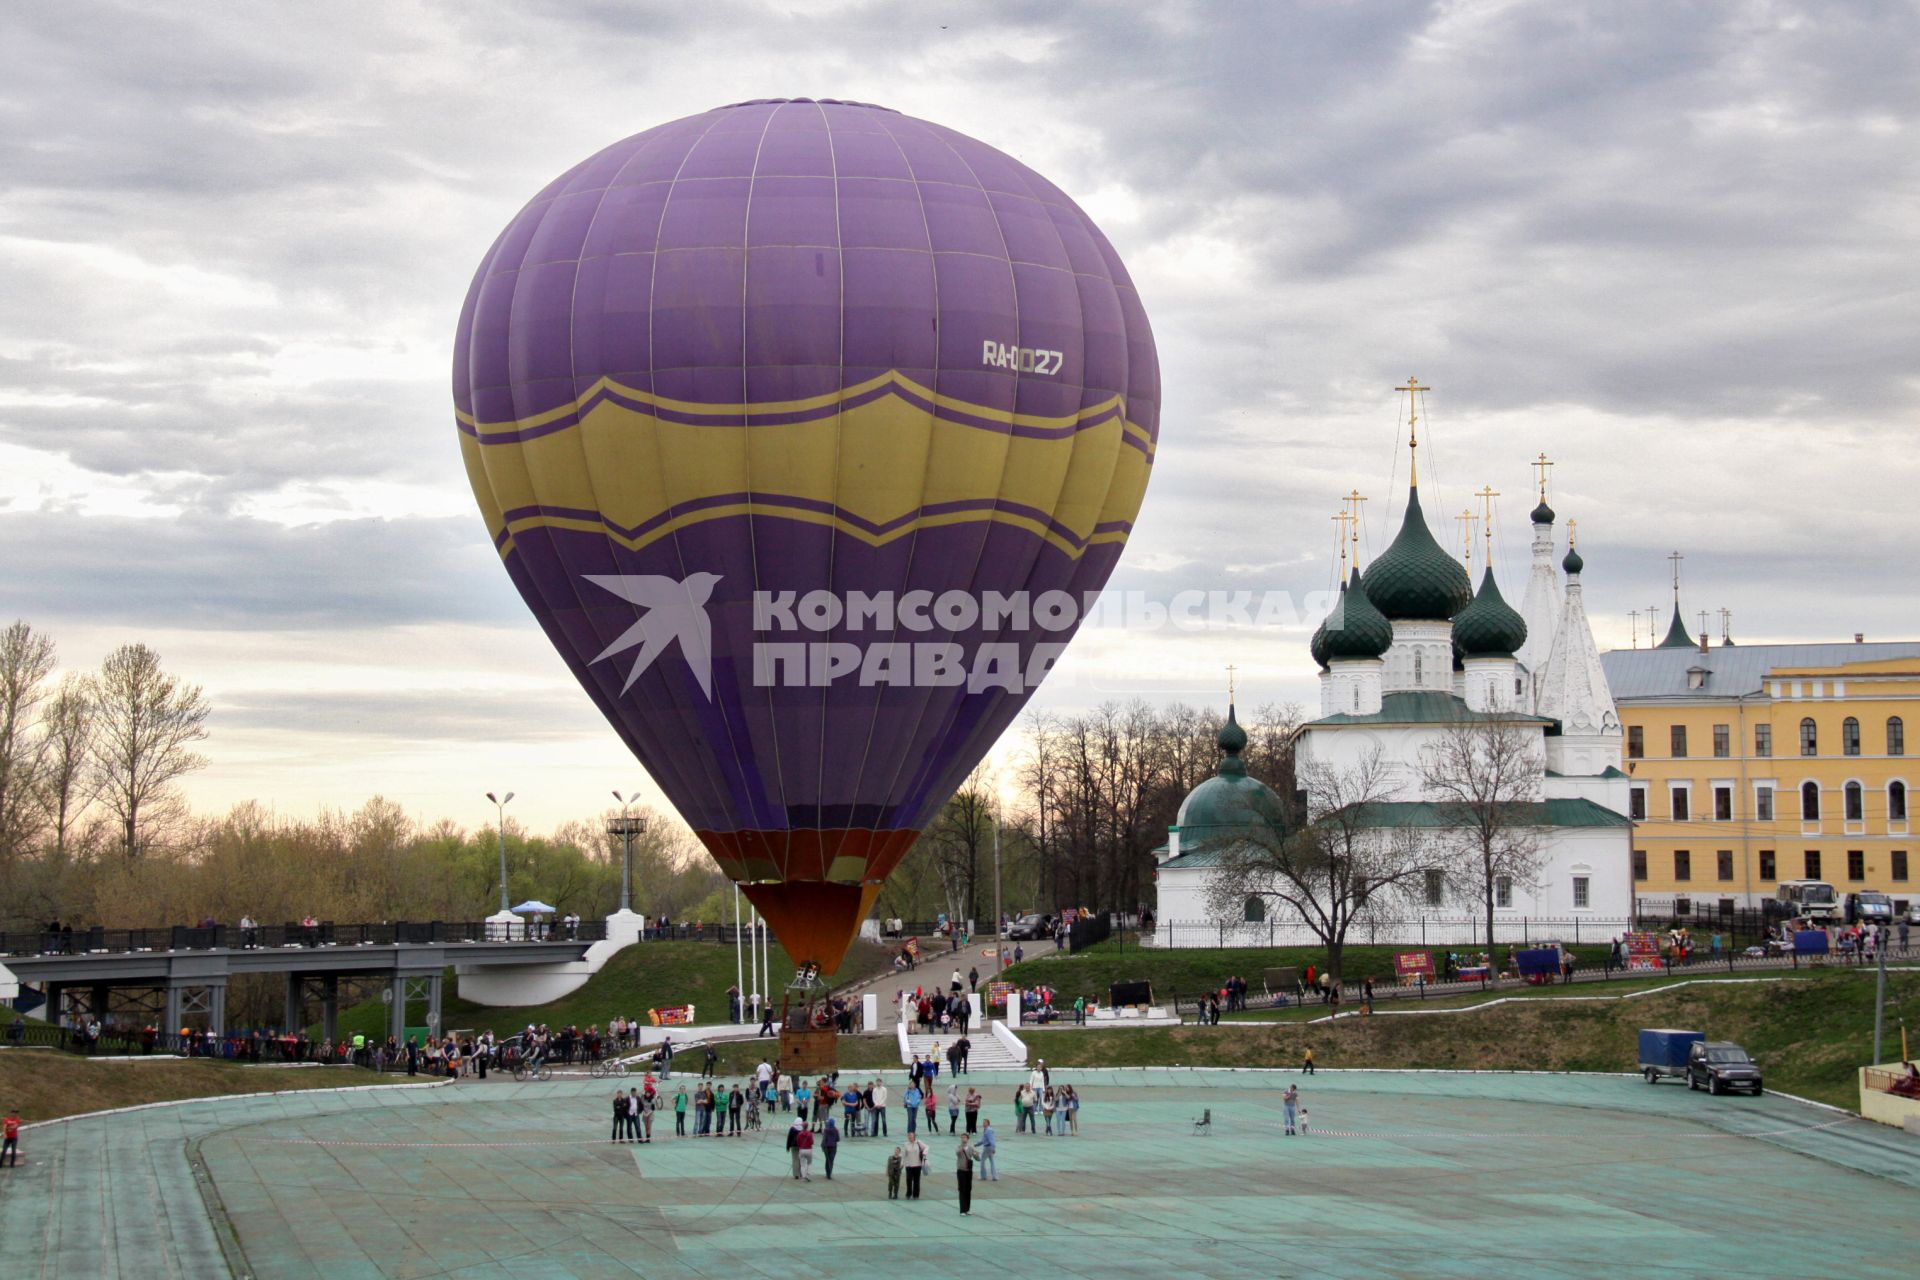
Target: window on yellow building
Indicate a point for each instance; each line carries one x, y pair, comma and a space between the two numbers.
1763, 804
1899, 860
1809, 738
1679, 796
1683, 864
1896, 736
1856, 864
1763, 740
1850, 737
1722, 741
1723, 804
1639, 864
1723, 864
1637, 804
1636, 742
1809, 802
1855, 802
1896, 802
1767, 866
1812, 861
1677, 739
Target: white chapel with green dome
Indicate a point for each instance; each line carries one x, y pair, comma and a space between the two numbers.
1411, 652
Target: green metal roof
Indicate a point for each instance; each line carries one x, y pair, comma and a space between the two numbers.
1558, 812
1426, 707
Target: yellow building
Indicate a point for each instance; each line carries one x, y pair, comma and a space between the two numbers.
1755, 764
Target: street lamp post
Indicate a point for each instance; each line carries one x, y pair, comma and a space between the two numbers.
500, 809
999, 945
624, 828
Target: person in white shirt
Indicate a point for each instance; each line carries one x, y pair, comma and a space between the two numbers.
878, 1094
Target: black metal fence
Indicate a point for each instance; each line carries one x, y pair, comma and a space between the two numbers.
326, 933
1088, 930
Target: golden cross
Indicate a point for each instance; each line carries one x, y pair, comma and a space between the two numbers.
1353, 500
1541, 464
1486, 495
1466, 519
1675, 560
1573, 533
1340, 520
1412, 387
1230, 671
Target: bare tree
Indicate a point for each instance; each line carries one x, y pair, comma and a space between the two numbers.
1349, 856
145, 724
66, 737
1485, 773
960, 841
26, 661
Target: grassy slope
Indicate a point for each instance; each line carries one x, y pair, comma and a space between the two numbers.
45, 1084
1188, 972
1809, 1033
644, 976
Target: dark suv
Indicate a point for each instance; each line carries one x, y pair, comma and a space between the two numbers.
1721, 1066
1027, 928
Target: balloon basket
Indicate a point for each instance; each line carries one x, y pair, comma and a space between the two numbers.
810, 1052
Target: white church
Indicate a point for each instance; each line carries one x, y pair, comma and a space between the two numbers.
1409, 651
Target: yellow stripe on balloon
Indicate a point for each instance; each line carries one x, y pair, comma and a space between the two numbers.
878, 463
892, 379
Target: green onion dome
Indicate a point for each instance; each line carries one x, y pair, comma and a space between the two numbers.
1543, 514
1355, 628
1415, 579
1489, 627
1318, 645
1230, 806
1573, 563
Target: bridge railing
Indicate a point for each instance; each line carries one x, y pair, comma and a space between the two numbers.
326, 933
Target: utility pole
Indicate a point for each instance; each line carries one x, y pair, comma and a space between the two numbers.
1879, 1001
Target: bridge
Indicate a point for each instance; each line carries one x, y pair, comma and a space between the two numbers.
189, 968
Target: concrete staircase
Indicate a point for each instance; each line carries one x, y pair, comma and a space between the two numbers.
986, 1054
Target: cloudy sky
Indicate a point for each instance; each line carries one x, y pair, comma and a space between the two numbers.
1671, 244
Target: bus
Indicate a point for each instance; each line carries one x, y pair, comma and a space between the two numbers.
1805, 899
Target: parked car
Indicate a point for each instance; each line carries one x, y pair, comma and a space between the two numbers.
1028, 927
1719, 1065
1913, 912
1663, 1052
1868, 907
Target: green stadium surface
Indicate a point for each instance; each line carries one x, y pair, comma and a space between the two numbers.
1403, 1174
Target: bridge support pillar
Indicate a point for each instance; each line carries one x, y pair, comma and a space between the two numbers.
217, 1007
102, 992
434, 984
295, 1017
175, 990
330, 1007
397, 1010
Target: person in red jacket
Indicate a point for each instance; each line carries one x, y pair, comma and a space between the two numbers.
10, 1137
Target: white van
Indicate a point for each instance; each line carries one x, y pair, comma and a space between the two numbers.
1807, 899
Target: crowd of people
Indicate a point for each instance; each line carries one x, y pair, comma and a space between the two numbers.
827, 1111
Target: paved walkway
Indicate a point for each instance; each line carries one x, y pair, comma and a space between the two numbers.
1404, 1175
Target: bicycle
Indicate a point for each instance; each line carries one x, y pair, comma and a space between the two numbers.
607, 1067
523, 1069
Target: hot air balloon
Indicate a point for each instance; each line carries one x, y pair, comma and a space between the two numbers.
753, 404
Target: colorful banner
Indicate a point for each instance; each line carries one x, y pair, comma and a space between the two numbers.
1643, 951
997, 993
1413, 966
679, 1015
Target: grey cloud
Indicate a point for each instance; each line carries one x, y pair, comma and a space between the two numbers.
237, 574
